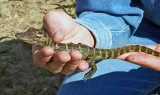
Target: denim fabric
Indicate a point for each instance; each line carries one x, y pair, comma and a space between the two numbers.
123, 10
152, 10
105, 28
116, 77
113, 23
117, 20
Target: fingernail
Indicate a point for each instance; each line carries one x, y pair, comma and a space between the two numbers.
35, 48
56, 34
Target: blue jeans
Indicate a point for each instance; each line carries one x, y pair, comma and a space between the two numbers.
117, 77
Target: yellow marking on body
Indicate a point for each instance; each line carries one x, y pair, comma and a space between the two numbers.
72, 48
80, 48
94, 51
140, 48
57, 45
131, 50
153, 52
106, 54
124, 51
119, 51
88, 49
134, 48
66, 47
91, 64
146, 50
49, 42
100, 52
112, 54
159, 54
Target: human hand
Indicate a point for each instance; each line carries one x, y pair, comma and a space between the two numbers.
62, 28
145, 60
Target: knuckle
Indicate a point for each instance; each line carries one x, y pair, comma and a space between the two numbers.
157, 65
74, 64
48, 14
62, 57
38, 65
76, 55
66, 73
157, 68
158, 47
51, 13
47, 17
52, 68
53, 71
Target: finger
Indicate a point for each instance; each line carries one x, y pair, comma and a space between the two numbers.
83, 65
42, 56
124, 56
151, 46
158, 48
145, 60
53, 25
35, 48
59, 60
71, 66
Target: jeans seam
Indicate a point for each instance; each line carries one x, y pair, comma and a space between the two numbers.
153, 7
151, 88
123, 30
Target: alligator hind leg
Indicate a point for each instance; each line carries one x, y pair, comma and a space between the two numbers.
93, 69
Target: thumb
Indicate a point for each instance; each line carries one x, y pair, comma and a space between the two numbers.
52, 25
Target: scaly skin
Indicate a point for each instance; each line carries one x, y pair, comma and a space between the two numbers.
39, 37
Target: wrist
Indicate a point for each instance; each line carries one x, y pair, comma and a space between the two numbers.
86, 36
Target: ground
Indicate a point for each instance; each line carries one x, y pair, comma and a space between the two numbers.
18, 74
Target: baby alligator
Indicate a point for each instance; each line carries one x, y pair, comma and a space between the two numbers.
39, 37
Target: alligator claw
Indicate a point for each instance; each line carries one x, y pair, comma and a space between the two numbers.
91, 72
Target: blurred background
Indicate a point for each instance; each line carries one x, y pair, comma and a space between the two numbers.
18, 74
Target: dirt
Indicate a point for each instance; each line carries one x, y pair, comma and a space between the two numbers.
18, 74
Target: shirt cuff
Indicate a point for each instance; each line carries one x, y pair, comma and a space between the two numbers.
102, 34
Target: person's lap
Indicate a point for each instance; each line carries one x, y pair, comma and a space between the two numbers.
117, 77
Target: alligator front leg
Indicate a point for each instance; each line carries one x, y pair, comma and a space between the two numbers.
93, 70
